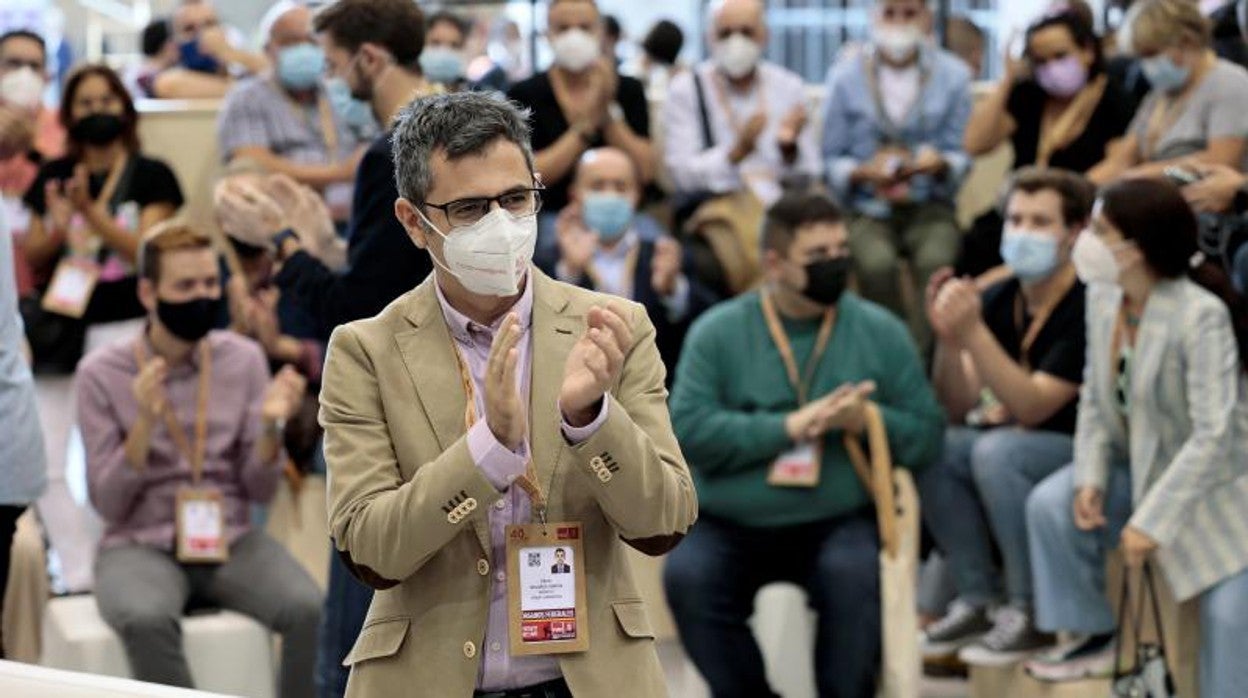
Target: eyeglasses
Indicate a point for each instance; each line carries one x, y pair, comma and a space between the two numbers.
464, 212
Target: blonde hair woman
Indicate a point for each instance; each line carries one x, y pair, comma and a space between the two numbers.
1196, 108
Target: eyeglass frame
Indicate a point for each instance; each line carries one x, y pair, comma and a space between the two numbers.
536, 191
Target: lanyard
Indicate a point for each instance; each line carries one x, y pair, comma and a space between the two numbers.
1064, 282
176, 432
325, 114
527, 482
800, 384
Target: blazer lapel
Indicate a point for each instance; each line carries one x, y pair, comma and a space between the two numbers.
1150, 348
429, 355
554, 335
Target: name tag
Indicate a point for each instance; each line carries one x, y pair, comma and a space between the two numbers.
546, 608
201, 527
796, 468
71, 287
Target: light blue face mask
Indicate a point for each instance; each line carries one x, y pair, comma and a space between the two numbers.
1163, 73
355, 113
299, 67
442, 64
607, 214
1031, 255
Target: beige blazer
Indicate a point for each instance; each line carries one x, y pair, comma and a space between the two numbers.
1186, 436
407, 504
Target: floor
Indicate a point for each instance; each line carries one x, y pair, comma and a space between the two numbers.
683, 680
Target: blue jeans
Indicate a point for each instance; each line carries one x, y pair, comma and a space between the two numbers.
973, 500
712, 576
1070, 581
346, 604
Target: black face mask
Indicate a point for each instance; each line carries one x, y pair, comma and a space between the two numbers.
97, 129
189, 320
826, 280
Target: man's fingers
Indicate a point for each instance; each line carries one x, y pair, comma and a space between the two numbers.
503, 342
611, 319
606, 343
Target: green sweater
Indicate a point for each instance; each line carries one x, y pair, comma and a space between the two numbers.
732, 395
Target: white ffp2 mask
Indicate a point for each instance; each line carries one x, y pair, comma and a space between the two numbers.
491, 256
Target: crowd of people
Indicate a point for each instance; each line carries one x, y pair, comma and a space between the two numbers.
408, 285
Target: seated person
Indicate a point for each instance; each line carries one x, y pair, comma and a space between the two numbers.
892, 139
159, 54
600, 249
580, 103
740, 404
286, 330
1057, 108
208, 59
754, 136
443, 60
1007, 370
284, 122
93, 206
1196, 108
180, 420
1161, 449
30, 133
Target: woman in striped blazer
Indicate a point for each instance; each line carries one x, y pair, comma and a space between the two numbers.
1161, 446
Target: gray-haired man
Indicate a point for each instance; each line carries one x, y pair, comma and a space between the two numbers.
489, 399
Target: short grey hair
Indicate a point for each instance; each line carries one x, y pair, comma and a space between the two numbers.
460, 124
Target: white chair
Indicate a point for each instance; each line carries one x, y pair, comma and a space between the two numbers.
18, 680
228, 652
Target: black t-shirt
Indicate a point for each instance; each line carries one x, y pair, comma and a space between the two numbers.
1109, 121
150, 182
548, 123
1058, 349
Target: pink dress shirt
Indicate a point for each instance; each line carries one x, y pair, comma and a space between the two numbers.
138, 505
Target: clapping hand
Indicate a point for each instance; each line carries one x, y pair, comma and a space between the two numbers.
958, 308
248, 214
504, 410
594, 364
791, 127
665, 266
284, 395
305, 211
843, 409
577, 243
16, 131
148, 388
60, 210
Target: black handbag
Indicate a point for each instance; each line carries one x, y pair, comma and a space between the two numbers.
1150, 676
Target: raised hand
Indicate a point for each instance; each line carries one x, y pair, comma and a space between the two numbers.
792, 125
577, 243
60, 210
148, 388
504, 411
935, 319
248, 214
958, 308
665, 267
284, 395
748, 138
594, 364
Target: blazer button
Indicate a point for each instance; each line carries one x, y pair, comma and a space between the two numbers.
596, 462
470, 503
604, 476
470, 650
453, 517
483, 567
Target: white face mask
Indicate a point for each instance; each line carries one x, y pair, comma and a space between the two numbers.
736, 55
489, 257
22, 88
1094, 260
897, 43
575, 49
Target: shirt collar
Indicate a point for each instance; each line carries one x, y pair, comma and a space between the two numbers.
462, 327
193, 359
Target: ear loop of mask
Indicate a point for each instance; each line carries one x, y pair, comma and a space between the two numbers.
441, 234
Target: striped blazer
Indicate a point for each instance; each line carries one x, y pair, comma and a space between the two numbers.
1186, 434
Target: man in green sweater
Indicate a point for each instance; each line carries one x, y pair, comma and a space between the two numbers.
767, 387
